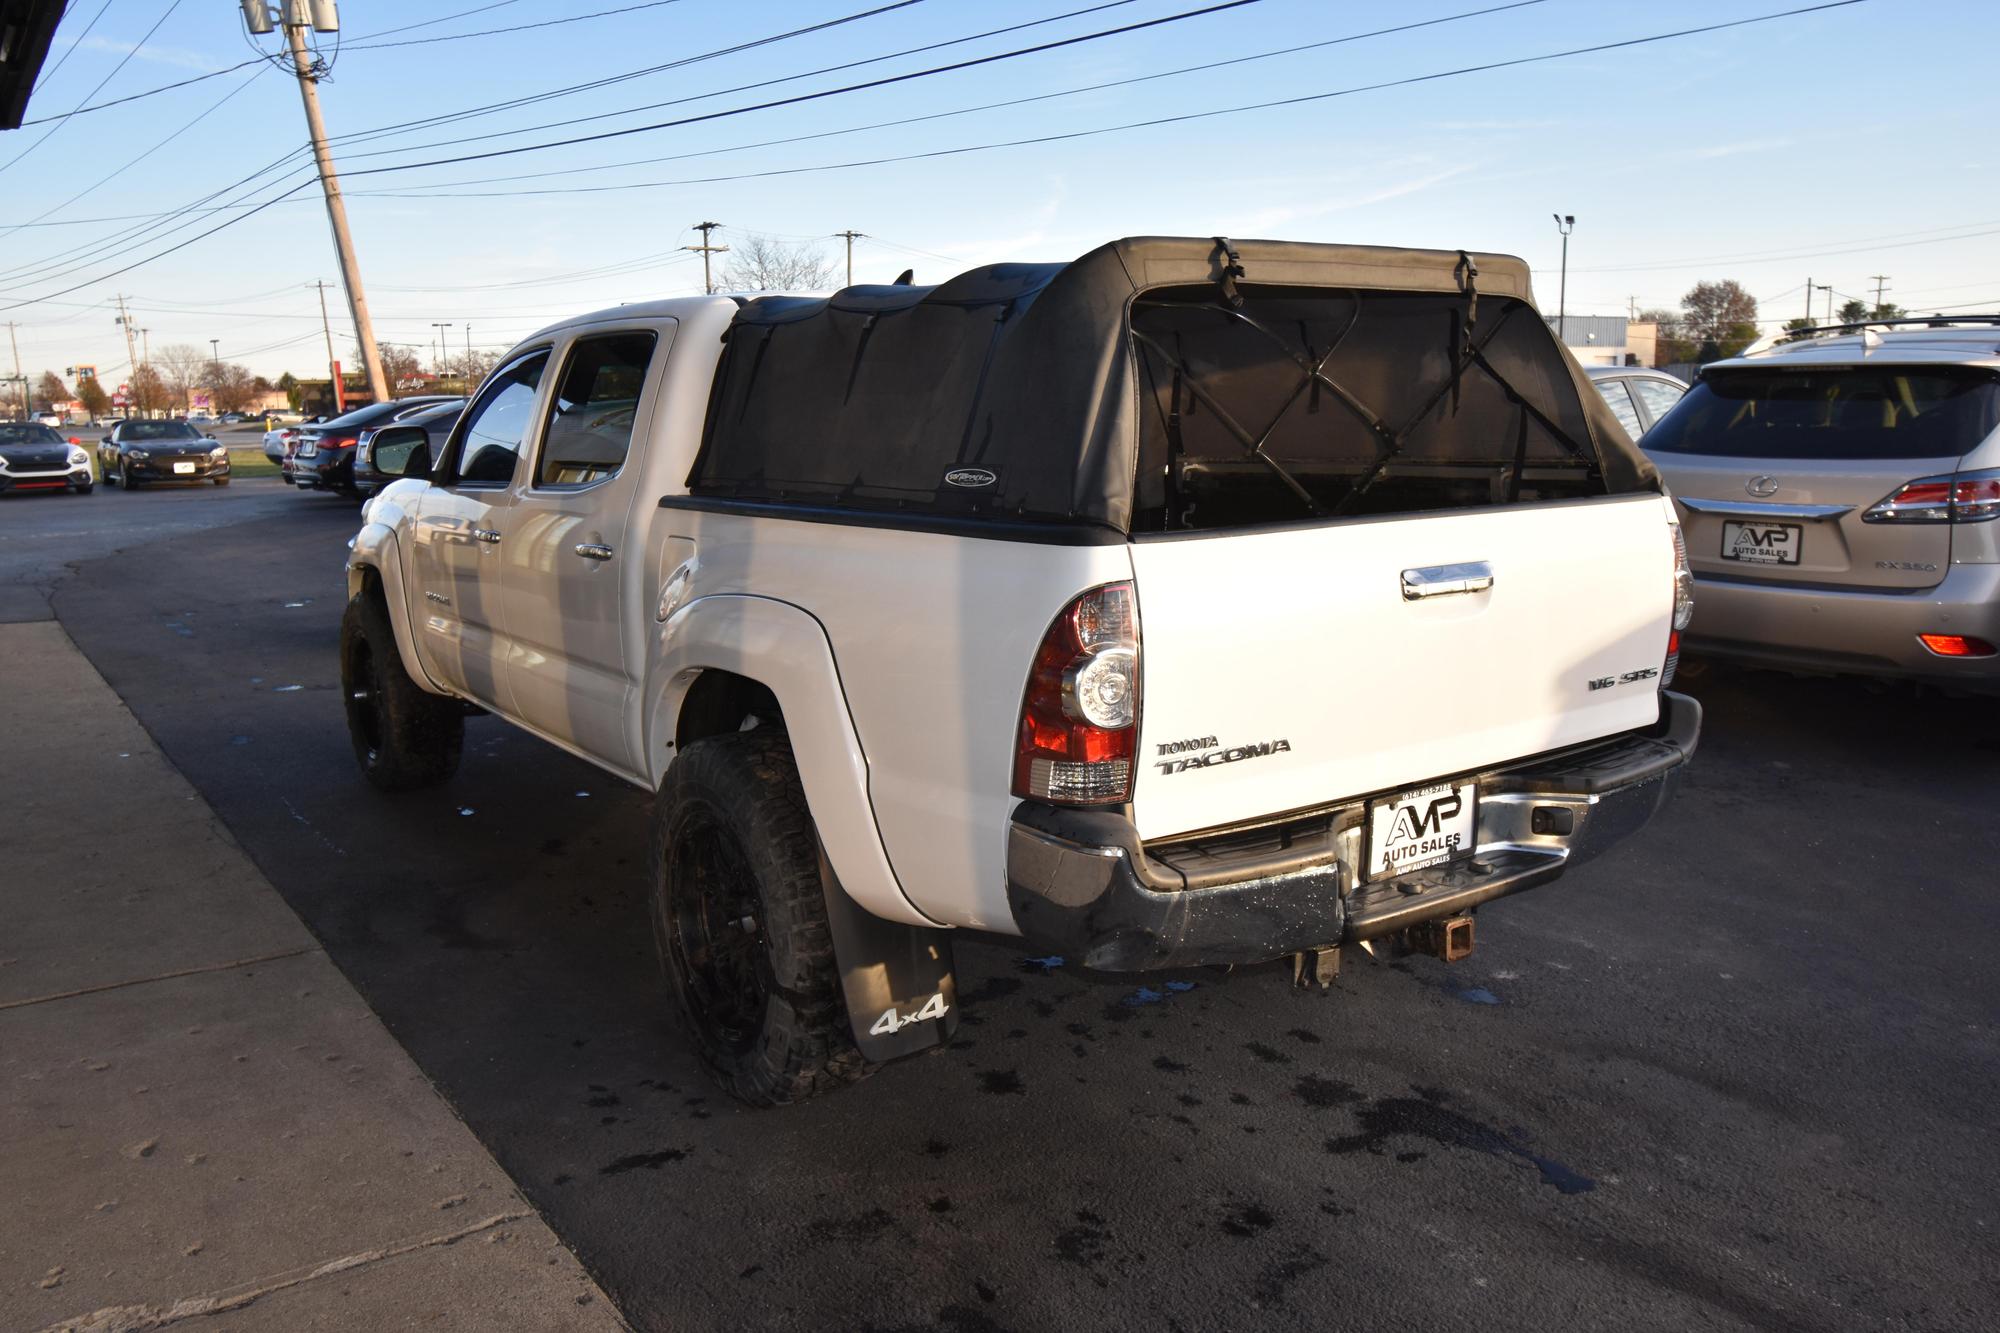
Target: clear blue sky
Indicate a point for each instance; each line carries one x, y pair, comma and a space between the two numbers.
1834, 145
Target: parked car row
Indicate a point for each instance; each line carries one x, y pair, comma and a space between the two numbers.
326, 455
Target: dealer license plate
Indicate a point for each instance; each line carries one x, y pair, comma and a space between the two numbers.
1762, 543
1425, 827
184, 469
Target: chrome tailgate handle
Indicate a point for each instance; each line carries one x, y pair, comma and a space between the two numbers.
593, 550
1445, 580
487, 535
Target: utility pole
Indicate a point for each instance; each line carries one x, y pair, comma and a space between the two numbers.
332, 365
1809, 292
1565, 223
295, 16
705, 250
1880, 278
465, 380
850, 237
19, 378
132, 362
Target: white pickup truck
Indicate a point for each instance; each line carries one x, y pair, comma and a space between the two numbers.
1190, 602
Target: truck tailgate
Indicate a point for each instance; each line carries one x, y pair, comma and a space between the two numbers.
1288, 669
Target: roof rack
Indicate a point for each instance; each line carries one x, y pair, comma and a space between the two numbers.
1908, 321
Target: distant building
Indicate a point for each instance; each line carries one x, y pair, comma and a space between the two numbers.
1602, 340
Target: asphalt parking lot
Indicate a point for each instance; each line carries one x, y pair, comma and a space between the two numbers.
1739, 1074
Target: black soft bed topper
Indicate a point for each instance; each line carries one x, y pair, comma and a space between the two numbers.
1163, 383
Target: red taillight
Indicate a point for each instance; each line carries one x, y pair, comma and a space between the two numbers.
1965, 497
1080, 711
1957, 645
1683, 605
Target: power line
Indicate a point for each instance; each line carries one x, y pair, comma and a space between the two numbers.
568, 90
495, 32
64, 119
1077, 134
1154, 122
150, 92
885, 81
739, 88
106, 179
990, 106
49, 73
432, 23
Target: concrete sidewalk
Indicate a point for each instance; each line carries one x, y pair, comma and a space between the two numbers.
199, 1116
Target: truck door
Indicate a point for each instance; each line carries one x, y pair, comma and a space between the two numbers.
567, 598
460, 528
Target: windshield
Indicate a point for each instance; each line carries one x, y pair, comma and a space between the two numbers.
1833, 412
27, 433
157, 430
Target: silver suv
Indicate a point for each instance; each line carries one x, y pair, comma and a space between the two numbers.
1837, 496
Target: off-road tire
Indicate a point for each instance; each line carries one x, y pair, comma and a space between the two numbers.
731, 827
403, 736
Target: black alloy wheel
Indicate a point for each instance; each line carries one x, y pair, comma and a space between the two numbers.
714, 938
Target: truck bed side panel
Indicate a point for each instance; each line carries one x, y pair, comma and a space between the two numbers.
932, 635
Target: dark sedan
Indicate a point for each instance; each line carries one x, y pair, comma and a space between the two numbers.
418, 436
137, 452
35, 458
322, 457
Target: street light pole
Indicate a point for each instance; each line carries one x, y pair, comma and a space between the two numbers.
1829, 303
1565, 223
437, 366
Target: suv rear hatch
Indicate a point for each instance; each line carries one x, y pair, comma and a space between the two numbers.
1373, 549
1777, 468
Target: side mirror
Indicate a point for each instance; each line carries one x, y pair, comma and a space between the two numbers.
403, 451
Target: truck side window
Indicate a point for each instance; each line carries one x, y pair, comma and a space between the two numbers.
592, 410
496, 425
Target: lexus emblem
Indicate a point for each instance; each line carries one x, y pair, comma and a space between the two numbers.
1762, 487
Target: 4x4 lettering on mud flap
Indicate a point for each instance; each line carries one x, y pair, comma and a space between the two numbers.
891, 1021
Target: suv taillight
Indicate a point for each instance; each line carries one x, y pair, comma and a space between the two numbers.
1683, 605
1959, 497
1080, 711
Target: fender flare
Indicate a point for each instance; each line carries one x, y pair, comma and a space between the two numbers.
785, 649
375, 547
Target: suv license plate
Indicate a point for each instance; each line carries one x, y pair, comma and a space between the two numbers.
184, 469
1425, 827
1762, 543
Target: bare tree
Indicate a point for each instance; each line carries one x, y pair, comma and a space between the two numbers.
182, 366
763, 264
51, 390
231, 387
147, 392
401, 366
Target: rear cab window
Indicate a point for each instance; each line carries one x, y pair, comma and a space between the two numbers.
1833, 412
592, 410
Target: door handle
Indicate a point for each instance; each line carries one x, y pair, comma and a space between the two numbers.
485, 535
593, 550
1445, 580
